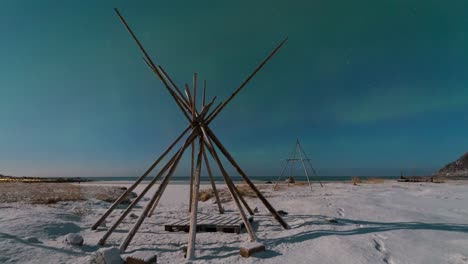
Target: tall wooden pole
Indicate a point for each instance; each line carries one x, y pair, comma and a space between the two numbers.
194, 212
164, 73
150, 62
246, 178
194, 100
136, 226
227, 180
213, 184
247, 80
135, 184
241, 198
192, 157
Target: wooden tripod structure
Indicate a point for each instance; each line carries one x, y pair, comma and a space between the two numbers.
298, 155
197, 134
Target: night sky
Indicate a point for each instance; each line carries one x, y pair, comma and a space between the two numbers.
369, 87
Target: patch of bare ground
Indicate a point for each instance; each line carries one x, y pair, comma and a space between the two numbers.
50, 193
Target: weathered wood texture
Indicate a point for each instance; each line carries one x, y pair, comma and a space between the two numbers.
249, 249
226, 223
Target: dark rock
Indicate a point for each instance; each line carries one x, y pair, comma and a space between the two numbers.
282, 213
456, 168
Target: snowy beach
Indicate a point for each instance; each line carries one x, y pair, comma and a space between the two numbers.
388, 222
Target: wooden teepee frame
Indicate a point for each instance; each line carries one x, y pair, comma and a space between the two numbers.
207, 141
298, 155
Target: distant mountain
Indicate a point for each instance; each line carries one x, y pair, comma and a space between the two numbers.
456, 168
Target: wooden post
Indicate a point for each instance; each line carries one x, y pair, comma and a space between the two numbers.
191, 175
193, 214
135, 184
246, 178
210, 147
213, 184
136, 226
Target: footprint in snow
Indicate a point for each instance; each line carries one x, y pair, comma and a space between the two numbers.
341, 211
379, 245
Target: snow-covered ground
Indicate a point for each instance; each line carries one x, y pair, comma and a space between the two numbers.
388, 222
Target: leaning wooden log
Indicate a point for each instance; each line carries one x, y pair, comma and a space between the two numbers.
204, 93
164, 73
136, 226
213, 184
147, 57
138, 181
243, 201
247, 80
226, 177
102, 241
245, 177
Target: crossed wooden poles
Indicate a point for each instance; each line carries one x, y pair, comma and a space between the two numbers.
290, 161
201, 136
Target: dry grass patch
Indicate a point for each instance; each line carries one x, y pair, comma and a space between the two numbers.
51, 193
374, 181
224, 194
301, 183
205, 194
355, 180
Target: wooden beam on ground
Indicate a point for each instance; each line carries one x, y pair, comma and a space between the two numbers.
248, 249
138, 181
